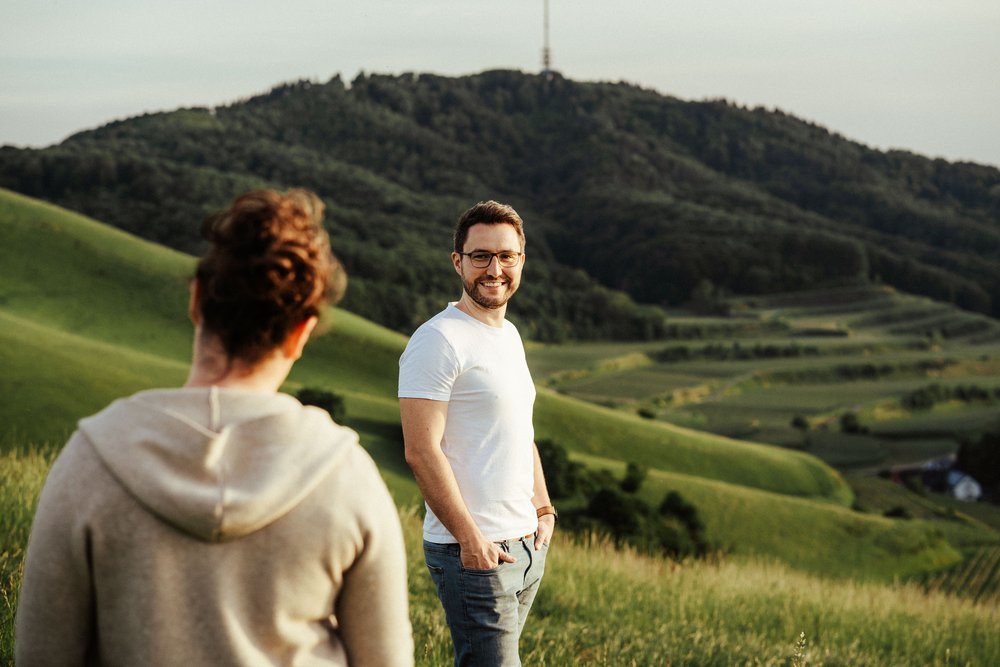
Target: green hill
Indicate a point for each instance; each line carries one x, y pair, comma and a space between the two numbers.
631, 197
74, 336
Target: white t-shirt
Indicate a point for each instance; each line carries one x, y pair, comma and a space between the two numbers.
488, 437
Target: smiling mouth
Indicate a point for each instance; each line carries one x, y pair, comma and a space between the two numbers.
492, 283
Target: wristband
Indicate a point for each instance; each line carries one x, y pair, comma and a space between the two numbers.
545, 510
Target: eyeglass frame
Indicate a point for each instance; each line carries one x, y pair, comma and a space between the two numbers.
517, 254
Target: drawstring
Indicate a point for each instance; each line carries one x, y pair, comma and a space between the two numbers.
215, 410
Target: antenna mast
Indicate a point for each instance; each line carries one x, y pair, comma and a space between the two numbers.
546, 52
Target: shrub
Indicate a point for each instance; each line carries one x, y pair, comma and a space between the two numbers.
981, 458
674, 505
849, 423
898, 512
635, 475
332, 403
675, 531
621, 515
562, 476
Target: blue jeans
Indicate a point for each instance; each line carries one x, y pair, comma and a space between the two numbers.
486, 609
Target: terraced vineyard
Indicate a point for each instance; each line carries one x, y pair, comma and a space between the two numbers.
976, 578
800, 363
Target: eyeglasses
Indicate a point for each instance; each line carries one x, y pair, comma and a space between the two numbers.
481, 259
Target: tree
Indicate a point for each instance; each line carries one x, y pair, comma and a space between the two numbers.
980, 457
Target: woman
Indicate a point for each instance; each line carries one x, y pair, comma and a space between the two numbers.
223, 523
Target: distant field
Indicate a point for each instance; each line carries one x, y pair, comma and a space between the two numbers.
853, 350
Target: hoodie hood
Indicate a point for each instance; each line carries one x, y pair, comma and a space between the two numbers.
217, 463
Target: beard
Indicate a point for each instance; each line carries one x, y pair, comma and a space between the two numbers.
489, 302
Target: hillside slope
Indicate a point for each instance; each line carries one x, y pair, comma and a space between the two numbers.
60, 367
641, 192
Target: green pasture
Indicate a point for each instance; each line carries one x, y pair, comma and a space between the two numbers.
594, 430
52, 378
71, 273
810, 534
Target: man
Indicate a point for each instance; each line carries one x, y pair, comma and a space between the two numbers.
466, 400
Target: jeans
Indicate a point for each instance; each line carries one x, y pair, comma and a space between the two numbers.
486, 609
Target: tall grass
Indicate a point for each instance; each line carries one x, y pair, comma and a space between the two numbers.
604, 606
22, 472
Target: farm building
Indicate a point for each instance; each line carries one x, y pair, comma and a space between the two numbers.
939, 476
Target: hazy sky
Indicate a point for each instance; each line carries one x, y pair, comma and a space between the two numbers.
913, 74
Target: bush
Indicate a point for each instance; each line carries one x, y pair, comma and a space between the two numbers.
622, 515
849, 423
327, 400
674, 505
562, 476
635, 475
898, 512
981, 458
673, 529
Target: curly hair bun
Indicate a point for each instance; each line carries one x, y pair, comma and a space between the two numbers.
268, 268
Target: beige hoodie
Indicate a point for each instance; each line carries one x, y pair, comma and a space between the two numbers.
214, 527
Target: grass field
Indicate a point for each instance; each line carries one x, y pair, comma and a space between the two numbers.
606, 606
97, 314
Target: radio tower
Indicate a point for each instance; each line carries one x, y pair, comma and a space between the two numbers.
547, 70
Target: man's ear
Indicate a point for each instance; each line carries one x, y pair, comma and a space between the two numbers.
456, 261
298, 337
194, 304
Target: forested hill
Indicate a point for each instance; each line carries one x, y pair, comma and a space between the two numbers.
622, 189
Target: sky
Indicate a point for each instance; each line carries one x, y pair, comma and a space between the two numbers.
918, 75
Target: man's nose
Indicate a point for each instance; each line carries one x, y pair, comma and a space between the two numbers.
494, 269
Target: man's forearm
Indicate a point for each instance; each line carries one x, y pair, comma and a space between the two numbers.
440, 489
540, 496
423, 429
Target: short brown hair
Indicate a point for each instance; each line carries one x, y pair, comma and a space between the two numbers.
268, 267
487, 213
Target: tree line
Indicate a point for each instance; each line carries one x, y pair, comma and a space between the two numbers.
633, 200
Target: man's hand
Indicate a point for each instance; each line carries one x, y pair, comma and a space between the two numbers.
484, 555
546, 526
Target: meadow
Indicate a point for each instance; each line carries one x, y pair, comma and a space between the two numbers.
606, 605
89, 314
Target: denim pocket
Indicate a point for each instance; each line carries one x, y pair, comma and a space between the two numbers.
437, 576
492, 570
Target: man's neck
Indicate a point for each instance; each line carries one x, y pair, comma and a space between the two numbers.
492, 317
